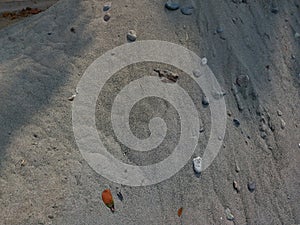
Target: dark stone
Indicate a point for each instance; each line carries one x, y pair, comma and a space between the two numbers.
188, 10
120, 196
274, 9
106, 7
236, 122
106, 17
172, 5
205, 101
251, 186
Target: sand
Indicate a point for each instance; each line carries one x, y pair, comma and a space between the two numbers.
44, 178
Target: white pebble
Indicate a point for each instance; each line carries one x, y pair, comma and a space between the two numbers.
204, 61
197, 162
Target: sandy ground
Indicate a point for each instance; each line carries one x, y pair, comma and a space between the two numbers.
45, 180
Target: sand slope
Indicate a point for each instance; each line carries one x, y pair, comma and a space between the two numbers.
45, 180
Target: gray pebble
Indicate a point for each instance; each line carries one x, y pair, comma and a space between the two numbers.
172, 5
236, 186
263, 135
274, 9
188, 10
279, 113
197, 73
229, 215
205, 101
131, 35
282, 123
237, 168
107, 6
219, 30
251, 186
242, 80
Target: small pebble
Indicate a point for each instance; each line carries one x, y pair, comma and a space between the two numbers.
242, 80
172, 5
107, 6
50, 217
202, 129
106, 17
299, 145
188, 10
131, 35
279, 113
236, 186
229, 215
274, 9
297, 35
263, 135
237, 168
236, 122
205, 101
197, 73
219, 30
72, 30
204, 61
71, 98
197, 164
263, 127
251, 186
282, 124
229, 113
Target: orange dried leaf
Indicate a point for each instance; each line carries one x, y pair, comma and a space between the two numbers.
107, 198
179, 213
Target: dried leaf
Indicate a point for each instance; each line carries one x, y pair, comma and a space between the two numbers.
179, 213
108, 200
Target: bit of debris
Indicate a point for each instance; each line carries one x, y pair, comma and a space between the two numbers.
282, 124
236, 186
23, 13
202, 129
229, 215
167, 74
179, 212
120, 196
279, 113
197, 164
197, 73
274, 9
73, 30
242, 80
23, 162
237, 168
71, 98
